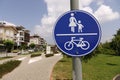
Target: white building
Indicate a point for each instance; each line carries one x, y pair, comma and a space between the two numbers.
22, 36
37, 40
7, 31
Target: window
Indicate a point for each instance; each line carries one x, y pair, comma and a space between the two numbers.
21, 34
11, 34
1, 30
21, 38
7, 32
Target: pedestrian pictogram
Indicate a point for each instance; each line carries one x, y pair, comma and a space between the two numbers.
77, 33
73, 23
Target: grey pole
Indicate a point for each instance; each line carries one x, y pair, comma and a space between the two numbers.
77, 66
74, 4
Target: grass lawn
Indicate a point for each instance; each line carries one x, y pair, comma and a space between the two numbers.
101, 67
62, 69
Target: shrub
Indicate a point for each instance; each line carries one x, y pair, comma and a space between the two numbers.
15, 51
8, 67
34, 55
1, 58
49, 55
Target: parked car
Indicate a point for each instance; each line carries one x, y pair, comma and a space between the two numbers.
31, 50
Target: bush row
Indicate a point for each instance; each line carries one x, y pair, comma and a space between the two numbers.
8, 67
34, 55
49, 55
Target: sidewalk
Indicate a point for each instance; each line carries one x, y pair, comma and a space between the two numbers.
11, 54
39, 70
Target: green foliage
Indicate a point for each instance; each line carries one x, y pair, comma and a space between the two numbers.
115, 43
8, 67
106, 49
118, 32
23, 46
32, 45
43, 46
35, 55
1, 58
49, 55
15, 51
112, 48
8, 45
91, 55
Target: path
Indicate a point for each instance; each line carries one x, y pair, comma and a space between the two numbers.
38, 68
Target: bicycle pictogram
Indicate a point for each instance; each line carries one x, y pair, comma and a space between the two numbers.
76, 42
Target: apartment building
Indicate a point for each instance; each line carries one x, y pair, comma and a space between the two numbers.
23, 36
37, 40
19, 35
43, 42
7, 31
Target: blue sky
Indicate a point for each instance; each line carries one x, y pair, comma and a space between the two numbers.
39, 16
22, 12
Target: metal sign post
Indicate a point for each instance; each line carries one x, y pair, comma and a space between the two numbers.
77, 68
76, 61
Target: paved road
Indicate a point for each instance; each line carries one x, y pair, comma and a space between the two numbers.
38, 68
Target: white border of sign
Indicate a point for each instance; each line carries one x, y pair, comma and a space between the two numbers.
100, 32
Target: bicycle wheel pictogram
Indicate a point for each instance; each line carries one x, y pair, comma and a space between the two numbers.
68, 45
85, 45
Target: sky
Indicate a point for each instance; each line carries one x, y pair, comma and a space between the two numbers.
39, 16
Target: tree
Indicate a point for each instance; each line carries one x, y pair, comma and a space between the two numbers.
23, 46
32, 45
8, 45
115, 43
92, 54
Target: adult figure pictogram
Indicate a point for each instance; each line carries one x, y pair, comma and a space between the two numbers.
73, 22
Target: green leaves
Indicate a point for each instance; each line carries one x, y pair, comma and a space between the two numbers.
8, 44
32, 45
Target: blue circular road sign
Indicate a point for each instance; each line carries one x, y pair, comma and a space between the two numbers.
77, 33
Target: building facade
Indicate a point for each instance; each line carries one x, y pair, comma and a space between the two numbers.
19, 35
23, 36
7, 32
37, 40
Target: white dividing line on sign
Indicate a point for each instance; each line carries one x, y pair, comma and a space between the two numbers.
77, 34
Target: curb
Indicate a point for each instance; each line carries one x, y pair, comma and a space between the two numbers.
52, 69
52, 72
115, 78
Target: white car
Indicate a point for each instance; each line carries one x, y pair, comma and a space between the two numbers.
31, 50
